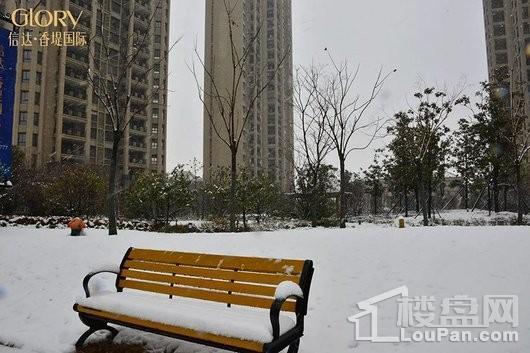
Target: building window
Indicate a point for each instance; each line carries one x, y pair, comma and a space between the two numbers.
23, 118
499, 30
500, 44
26, 55
35, 140
38, 78
154, 145
24, 97
498, 16
501, 58
154, 160
21, 138
154, 129
39, 57
36, 119
25, 76
37, 98
497, 4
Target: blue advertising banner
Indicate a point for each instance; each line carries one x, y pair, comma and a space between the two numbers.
8, 65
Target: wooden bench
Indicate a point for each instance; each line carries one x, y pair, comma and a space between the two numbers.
214, 300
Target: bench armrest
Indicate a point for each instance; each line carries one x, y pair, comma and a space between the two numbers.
276, 307
92, 274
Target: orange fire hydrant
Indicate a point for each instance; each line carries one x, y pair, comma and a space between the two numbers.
76, 226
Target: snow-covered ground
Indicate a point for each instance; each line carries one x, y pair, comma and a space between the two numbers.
41, 272
471, 218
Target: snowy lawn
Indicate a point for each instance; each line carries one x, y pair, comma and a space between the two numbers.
41, 274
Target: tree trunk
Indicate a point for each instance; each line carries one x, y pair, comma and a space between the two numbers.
519, 188
505, 194
424, 204
496, 189
422, 186
258, 215
374, 195
233, 180
489, 199
429, 198
342, 192
466, 194
417, 197
111, 195
406, 202
314, 196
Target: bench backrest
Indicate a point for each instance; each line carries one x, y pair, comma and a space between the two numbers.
237, 280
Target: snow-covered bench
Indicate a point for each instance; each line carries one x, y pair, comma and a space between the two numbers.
214, 300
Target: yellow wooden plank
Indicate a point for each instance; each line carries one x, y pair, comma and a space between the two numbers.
235, 287
236, 299
291, 267
169, 329
213, 273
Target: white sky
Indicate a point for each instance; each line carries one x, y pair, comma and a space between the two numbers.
439, 42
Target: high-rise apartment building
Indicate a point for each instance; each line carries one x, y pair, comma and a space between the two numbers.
507, 25
57, 116
264, 28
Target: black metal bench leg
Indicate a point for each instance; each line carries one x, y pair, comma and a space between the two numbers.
90, 331
113, 332
293, 348
84, 337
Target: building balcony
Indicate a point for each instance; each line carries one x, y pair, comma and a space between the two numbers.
74, 135
142, 7
75, 97
139, 116
66, 157
138, 146
142, 22
138, 162
137, 82
138, 130
81, 5
72, 149
76, 78
74, 129
74, 116
139, 99
78, 60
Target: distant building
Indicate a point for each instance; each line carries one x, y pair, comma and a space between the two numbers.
267, 147
507, 25
57, 116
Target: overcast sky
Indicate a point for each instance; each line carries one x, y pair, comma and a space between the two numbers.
438, 42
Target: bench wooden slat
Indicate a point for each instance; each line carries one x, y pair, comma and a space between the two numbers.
291, 267
201, 283
180, 331
229, 275
236, 299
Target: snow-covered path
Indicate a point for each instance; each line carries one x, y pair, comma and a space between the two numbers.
41, 273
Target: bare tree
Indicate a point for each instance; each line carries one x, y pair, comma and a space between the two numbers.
313, 143
428, 145
114, 88
516, 136
230, 111
347, 119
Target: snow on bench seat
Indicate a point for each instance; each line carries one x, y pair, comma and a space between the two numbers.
203, 316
